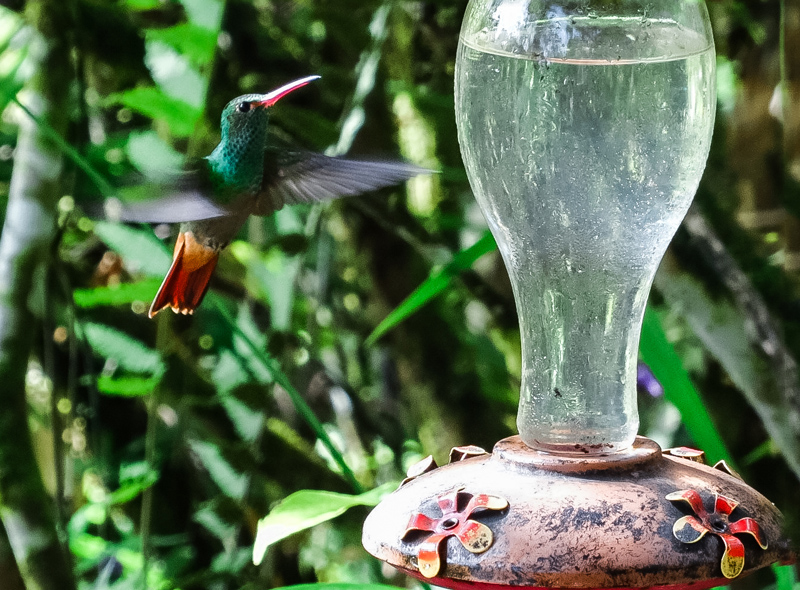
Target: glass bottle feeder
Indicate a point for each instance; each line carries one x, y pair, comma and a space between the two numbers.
584, 126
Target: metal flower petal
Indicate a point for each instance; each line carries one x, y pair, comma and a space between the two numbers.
476, 537
690, 529
732, 562
750, 526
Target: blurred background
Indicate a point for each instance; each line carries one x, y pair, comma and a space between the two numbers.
339, 343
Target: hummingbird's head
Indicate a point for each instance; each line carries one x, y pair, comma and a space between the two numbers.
245, 117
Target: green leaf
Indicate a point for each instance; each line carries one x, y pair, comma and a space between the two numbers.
142, 4
132, 488
435, 284
127, 386
785, 577
129, 353
194, 42
120, 294
139, 247
204, 13
231, 482
660, 356
152, 155
305, 509
10, 85
152, 102
208, 517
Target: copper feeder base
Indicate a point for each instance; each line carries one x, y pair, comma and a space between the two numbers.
524, 518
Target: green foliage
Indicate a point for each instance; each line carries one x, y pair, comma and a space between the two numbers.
305, 509
196, 447
179, 115
140, 248
117, 294
434, 285
666, 365
127, 353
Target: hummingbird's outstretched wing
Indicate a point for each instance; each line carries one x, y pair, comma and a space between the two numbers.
306, 177
176, 207
181, 197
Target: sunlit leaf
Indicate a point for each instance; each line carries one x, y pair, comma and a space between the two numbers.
132, 488
127, 386
209, 518
139, 247
142, 4
175, 75
433, 286
152, 155
86, 546
248, 422
232, 482
129, 353
120, 294
204, 13
305, 509
194, 42
785, 577
154, 103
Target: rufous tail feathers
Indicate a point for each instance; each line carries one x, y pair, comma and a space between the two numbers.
187, 280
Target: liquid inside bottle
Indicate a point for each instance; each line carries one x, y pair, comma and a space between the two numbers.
584, 164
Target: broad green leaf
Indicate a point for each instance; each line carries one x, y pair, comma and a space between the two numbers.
435, 284
305, 509
248, 422
204, 13
127, 386
152, 155
660, 356
10, 85
142, 4
154, 103
120, 294
132, 488
139, 247
195, 42
86, 546
175, 75
231, 562
208, 517
785, 577
272, 277
129, 353
231, 482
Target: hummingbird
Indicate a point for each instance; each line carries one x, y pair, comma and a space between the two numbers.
246, 175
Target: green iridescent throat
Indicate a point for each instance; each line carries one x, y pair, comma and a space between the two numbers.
238, 160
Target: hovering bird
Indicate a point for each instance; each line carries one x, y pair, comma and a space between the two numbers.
244, 176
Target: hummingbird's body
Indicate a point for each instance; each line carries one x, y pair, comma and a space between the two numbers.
245, 176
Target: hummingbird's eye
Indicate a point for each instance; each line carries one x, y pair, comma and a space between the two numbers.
243, 107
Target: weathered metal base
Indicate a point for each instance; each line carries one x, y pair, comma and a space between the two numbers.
519, 517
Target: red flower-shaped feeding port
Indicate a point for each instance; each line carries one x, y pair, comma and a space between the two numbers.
476, 537
690, 529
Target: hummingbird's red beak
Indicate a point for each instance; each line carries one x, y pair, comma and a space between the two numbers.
271, 98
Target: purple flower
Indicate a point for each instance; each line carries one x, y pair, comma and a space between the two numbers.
646, 381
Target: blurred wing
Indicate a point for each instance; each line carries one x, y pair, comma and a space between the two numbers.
176, 207
305, 177
181, 198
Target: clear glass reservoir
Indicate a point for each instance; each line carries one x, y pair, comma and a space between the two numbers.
585, 128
